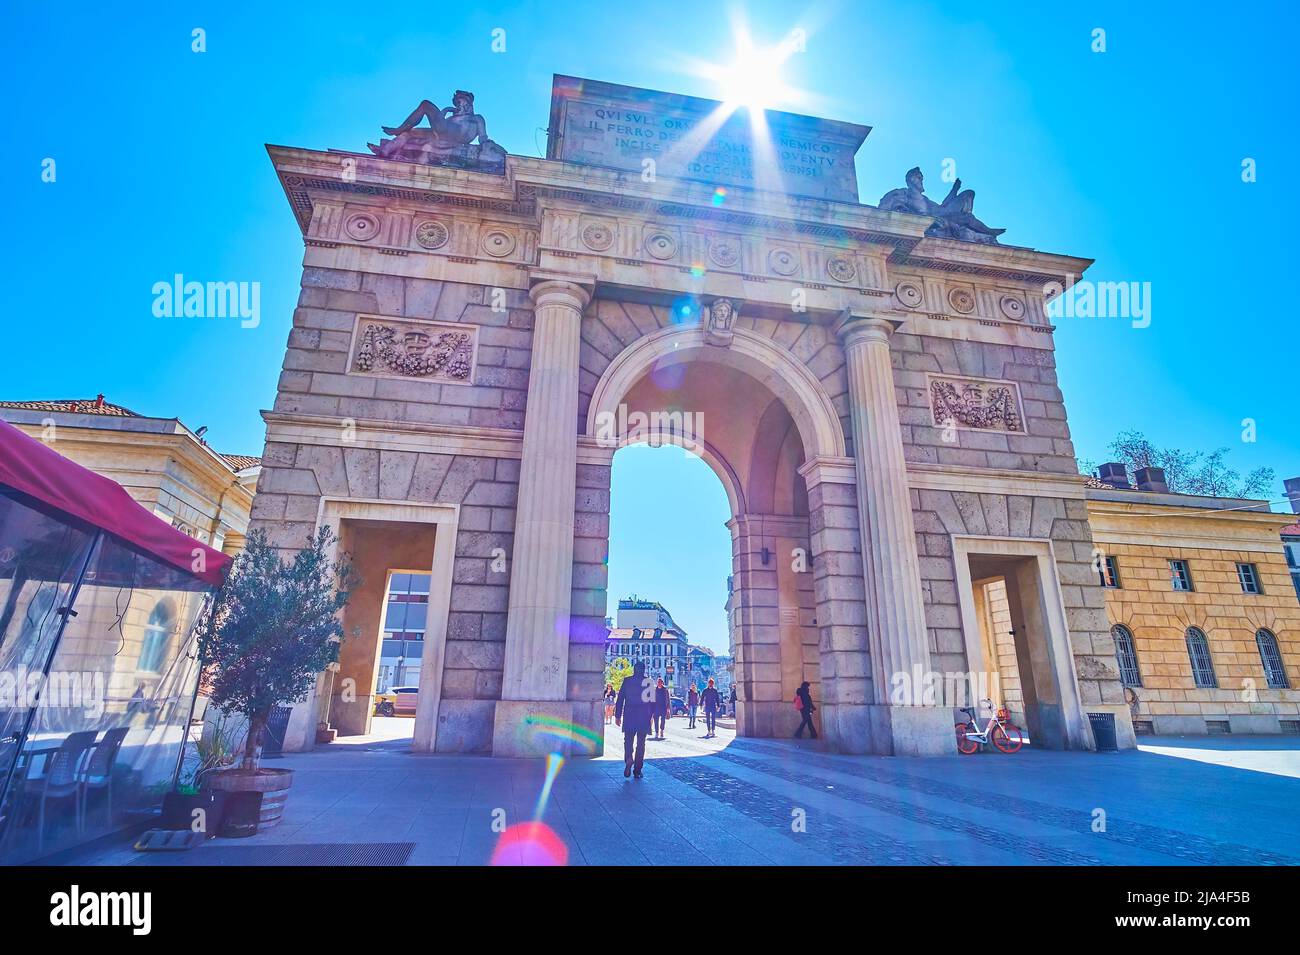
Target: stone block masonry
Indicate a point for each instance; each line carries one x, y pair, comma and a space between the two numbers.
461, 334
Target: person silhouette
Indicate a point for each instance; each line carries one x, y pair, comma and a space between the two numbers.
632, 713
803, 700
662, 704
711, 700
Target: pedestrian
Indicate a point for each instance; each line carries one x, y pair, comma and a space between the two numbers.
632, 714
692, 703
804, 704
610, 699
710, 699
663, 701
733, 701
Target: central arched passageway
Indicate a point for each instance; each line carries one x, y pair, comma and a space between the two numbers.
746, 411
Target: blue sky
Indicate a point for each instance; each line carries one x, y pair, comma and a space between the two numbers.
1131, 157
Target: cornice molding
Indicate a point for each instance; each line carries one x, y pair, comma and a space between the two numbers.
418, 437
291, 428
530, 182
944, 477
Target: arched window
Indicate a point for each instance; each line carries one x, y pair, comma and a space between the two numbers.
1198, 651
157, 636
1274, 671
1126, 656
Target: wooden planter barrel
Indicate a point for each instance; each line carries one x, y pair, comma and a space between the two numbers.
273, 784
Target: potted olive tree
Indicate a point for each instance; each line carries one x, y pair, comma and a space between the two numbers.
273, 628
193, 804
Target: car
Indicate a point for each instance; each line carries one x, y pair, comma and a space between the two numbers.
678, 706
397, 701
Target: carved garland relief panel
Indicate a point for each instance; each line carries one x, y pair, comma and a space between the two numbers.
438, 352
975, 404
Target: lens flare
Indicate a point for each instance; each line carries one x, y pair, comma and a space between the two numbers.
553, 763
686, 310
538, 728
530, 843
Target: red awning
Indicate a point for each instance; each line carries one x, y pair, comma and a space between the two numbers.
30, 466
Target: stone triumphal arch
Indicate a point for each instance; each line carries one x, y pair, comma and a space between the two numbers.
478, 333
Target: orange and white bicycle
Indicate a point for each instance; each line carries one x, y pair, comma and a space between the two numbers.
999, 731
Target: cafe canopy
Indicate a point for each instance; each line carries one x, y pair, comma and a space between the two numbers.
37, 470
98, 604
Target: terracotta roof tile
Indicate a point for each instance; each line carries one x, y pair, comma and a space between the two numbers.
240, 461
73, 406
94, 406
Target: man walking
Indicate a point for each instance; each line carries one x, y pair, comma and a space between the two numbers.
804, 704
711, 700
662, 704
733, 701
692, 703
632, 713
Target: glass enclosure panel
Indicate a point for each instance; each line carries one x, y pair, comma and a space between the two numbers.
106, 736
40, 559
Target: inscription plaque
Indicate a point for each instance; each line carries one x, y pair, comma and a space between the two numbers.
604, 124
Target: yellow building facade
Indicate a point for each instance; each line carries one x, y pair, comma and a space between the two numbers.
161, 463
1203, 612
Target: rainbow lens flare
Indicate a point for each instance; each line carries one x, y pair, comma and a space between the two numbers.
553, 763
538, 728
530, 843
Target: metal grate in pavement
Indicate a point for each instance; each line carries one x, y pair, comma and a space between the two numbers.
290, 854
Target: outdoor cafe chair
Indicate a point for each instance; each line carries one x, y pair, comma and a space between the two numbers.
59, 778
98, 771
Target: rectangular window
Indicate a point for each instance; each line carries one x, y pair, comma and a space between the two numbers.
1249, 577
406, 607
1108, 571
1180, 575
1292, 549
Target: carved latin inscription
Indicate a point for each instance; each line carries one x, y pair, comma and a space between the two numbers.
991, 406
424, 350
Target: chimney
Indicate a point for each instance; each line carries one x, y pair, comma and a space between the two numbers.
1293, 493
1151, 479
99, 400
1114, 474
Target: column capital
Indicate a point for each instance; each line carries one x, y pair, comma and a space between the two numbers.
856, 327
826, 470
560, 288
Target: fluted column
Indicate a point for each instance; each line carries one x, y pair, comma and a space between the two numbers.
541, 575
892, 569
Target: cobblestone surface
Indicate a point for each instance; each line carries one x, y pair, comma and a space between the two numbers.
728, 801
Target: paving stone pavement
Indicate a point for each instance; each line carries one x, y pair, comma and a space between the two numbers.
729, 801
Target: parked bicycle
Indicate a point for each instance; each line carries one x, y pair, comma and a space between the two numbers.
999, 730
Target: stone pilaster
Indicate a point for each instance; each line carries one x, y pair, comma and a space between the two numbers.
535, 671
895, 605
773, 619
